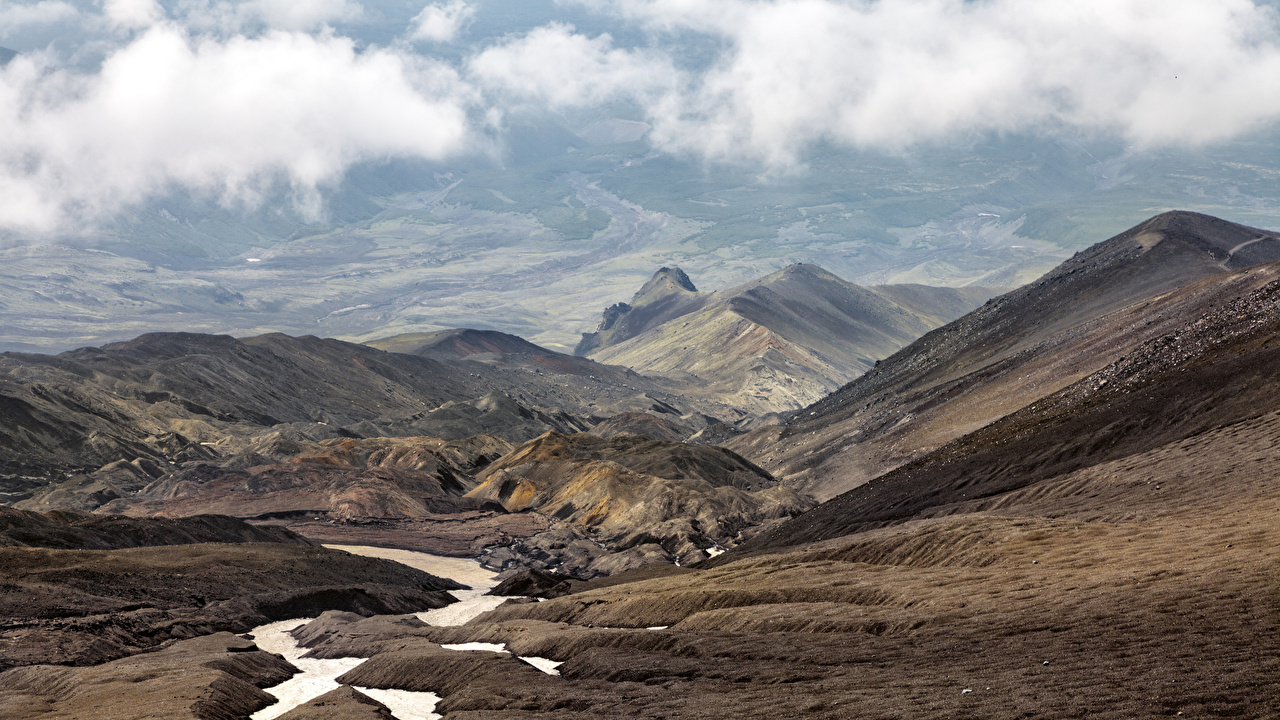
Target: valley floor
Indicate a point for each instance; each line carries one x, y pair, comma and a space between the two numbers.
1140, 588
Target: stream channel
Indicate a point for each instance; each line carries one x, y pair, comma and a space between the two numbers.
318, 677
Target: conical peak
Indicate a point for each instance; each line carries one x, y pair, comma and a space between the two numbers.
803, 270
666, 281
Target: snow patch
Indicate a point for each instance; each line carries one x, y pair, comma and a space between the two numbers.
544, 664
486, 647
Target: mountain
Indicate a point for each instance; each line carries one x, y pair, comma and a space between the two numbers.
508, 351
632, 497
170, 398
336, 479
773, 344
460, 343
1205, 393
666, 296
1093, 309
1109, 549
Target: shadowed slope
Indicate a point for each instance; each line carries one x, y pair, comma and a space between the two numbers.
180, 397
1013, 350
1218, 368
68, 530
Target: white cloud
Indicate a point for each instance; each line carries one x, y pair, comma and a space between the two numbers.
133, 13
233, 17
230, 117
555, 67
894, 73
304, 14
16, 16
441, 23
270, 92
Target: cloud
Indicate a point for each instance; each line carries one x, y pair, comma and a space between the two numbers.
234, 97
441, 23
14, 17
238, 17
304, 14
132, 13
554, 67
894, 73
231, 117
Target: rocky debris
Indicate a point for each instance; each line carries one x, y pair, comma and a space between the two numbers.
345, 703
214, 677
567, 549
646, 424
626, 501
714, 434
536, 584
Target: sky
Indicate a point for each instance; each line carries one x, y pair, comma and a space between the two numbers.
111, 103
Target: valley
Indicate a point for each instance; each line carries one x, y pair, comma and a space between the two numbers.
581, 360
798, 493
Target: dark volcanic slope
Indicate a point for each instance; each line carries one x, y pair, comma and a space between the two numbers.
1218, 370
76, 530
186, 397
1010, 352
126, 400
460, 343
332, 479
512, 352
776, 343
215, 677
1143, 587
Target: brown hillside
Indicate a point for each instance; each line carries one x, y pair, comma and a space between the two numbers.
1012, 351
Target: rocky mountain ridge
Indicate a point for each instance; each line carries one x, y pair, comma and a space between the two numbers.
773, 344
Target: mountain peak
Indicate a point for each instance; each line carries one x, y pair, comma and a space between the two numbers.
458, 343
668, 294
666, 281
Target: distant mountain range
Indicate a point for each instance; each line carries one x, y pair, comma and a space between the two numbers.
306, 430
1061, 503
773, 344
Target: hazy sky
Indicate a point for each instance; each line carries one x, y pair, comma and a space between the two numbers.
112, 102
